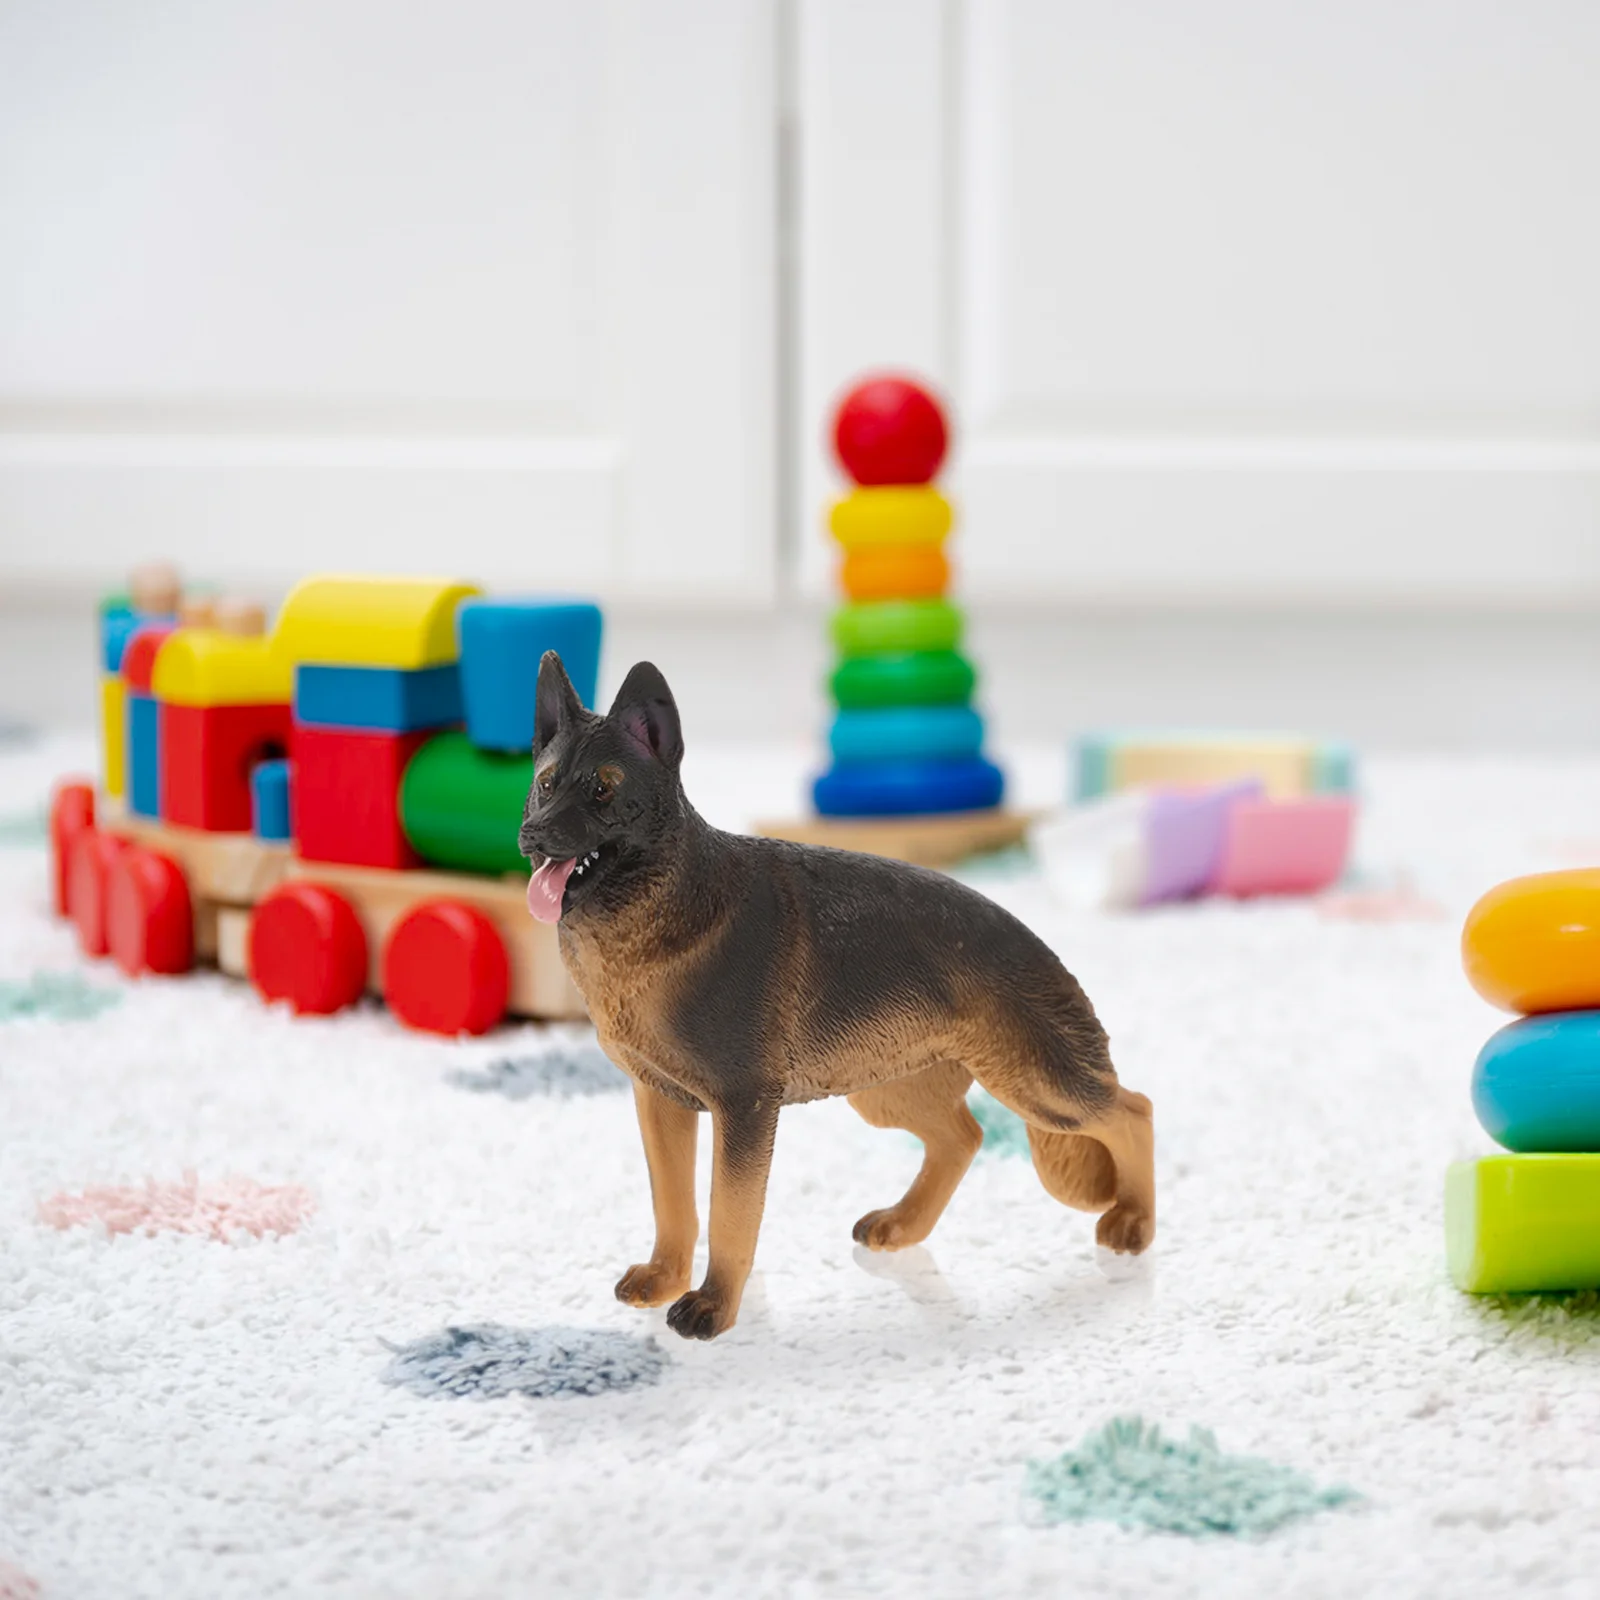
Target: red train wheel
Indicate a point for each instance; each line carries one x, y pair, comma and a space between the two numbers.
445, 969
71, 815
307, 946
89, 862
149, 918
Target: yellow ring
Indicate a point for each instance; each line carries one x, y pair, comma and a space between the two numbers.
893, 514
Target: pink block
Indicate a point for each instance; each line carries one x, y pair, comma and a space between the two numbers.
1285, 846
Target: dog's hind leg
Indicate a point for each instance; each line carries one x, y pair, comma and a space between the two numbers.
1128, 1132
932, 1104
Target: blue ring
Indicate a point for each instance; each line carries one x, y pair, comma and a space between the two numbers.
898, 733
1536, 1083
908, 788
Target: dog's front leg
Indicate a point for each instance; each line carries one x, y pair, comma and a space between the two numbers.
670, 1131
742, 1136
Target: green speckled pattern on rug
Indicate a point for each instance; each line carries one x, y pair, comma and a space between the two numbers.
1130, 1474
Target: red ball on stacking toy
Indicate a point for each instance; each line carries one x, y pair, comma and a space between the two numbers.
890, 430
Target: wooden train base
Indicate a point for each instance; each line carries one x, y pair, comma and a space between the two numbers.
449, 952
931, 841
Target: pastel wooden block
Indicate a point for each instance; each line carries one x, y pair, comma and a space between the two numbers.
113, 733
371, 622
930, 841
1533, 944
207, 753
1523, 1224
1286, 767
1284, 846
206, 667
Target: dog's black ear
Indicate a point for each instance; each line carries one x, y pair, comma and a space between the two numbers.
648, 714
555, 703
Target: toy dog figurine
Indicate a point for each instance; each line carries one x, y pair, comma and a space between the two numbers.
737, 975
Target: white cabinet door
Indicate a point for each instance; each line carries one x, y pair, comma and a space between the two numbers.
1235, 301
484, 287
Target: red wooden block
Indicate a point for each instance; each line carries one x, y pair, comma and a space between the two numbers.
88, 876
149, 919
445, 969
206, 756
139, 658
346, 799
307, 946
71, 813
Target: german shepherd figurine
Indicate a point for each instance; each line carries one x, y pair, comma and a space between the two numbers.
737, 975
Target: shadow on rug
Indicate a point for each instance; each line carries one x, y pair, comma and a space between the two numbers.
488, 1362
562, 1072
1129, 1474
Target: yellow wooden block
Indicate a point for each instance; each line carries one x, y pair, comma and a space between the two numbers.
371, 622
206, 667
1286, 768
113, 733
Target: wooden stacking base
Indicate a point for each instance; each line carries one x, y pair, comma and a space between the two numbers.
933, 841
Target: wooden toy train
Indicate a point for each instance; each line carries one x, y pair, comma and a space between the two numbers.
330, 808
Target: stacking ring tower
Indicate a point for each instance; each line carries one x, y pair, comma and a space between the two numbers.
905, 739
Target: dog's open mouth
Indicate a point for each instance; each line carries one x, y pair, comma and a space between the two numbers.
547, 888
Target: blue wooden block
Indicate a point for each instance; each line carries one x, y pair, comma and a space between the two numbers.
269, 799
907, 788
1536, 1083
501, 645
144, 755
382, 699
898, 732
118, 624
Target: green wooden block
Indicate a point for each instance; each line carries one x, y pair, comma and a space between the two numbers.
1523, 1224
461, 807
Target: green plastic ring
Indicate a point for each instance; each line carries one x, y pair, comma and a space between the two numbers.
896, 627
915, 678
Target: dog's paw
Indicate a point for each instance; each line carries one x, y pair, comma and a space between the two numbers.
699, 1315
1125, 1230
887, 1230
652, 1283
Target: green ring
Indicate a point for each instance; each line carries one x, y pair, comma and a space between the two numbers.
912, 678
896, 627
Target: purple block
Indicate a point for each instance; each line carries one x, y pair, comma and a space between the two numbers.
1184, 834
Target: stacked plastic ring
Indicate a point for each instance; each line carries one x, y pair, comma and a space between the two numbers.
1530, 1220
905, 738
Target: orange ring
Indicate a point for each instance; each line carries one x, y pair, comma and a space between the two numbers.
895, 572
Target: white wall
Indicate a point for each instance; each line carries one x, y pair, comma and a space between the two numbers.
1239, 301
485, 286
1235, 300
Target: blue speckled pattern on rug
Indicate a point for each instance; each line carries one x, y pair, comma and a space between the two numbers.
58, 996
562, 1072
1004, 1132
1130, 1474
488, 1362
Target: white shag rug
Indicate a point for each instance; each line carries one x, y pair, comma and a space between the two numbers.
186, 1417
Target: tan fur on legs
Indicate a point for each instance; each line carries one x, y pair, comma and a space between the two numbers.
670, 1132
1128, 1133
933, 1105
741, 1158
1076, 1170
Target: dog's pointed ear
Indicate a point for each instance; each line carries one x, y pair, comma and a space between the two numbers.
647, 713
555, 702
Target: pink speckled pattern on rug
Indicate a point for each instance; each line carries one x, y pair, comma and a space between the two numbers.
222, 1210
15, 1585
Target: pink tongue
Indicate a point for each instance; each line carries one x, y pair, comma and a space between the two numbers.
545, 889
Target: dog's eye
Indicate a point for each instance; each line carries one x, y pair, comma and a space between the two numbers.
547, 784
606, 783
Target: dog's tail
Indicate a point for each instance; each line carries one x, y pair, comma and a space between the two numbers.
1076, 1169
